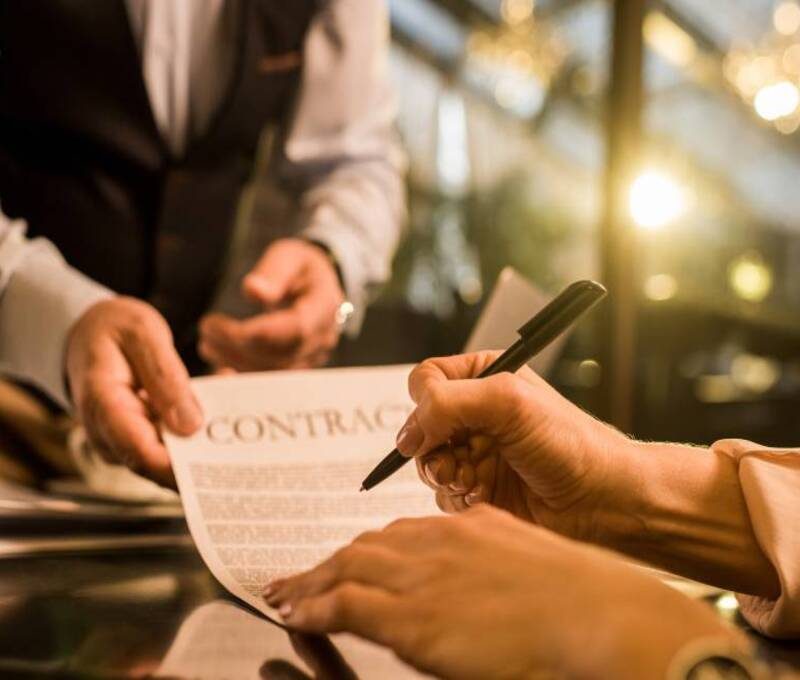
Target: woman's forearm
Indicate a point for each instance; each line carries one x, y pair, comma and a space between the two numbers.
682, 509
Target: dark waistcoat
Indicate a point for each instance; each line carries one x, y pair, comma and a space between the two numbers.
82, 161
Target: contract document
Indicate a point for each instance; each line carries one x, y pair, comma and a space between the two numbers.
270, 484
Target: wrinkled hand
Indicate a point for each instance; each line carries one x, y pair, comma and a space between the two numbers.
297, 285
124, 375
509, 440
484, 595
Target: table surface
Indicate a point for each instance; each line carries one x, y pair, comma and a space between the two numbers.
161, 614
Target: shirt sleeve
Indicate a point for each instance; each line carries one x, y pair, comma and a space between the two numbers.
770, 481
343, 146
41, 297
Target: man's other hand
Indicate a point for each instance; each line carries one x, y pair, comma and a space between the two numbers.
124, 376
296, 283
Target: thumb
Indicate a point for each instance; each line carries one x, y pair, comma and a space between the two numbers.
275, 273
450, 409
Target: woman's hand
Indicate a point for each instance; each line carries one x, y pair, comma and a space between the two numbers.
483, 595
512, 441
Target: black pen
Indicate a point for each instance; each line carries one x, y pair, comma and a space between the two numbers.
558, 315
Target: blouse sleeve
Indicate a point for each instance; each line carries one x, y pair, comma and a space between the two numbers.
770, 480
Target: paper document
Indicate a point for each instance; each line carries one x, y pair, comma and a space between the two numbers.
513, 301
270, 485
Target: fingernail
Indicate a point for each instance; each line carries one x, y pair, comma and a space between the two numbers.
185, 417
285, 610
433, 470
272, 593
410, 437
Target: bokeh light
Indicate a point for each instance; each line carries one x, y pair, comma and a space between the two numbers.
776, 101
750, 277
660, 287
517, 11
786, 17
655, 200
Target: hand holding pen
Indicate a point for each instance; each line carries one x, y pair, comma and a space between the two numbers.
535, 335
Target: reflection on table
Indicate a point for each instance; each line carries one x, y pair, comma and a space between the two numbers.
159, 615
162, 615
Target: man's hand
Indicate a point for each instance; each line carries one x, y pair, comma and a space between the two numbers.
484, 595
125, 375
297, 284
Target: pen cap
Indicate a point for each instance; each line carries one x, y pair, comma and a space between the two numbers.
561, 311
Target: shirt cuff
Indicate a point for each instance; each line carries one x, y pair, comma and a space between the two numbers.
770, 479
42, 300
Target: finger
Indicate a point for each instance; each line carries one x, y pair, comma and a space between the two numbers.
224, 353
118, 420
479, 494
221, 355
365, 611
277, 273
451, 410
450, 503
364, 563
422, 472
463, 479
278, 331
222, 332
237, 358
211, 355
461, 453
248, 344
486, 473
479, 446
442, 369
159, 369
441, 468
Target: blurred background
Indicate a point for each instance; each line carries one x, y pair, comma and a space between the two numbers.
650, 145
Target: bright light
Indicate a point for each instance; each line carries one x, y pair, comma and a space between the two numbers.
776, 101
752, 75
516, 11
750, 277
727, 602
669, 39
660, 287
787, 17
655, 200
754, 373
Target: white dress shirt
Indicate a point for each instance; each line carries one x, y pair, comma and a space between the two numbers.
344, 114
